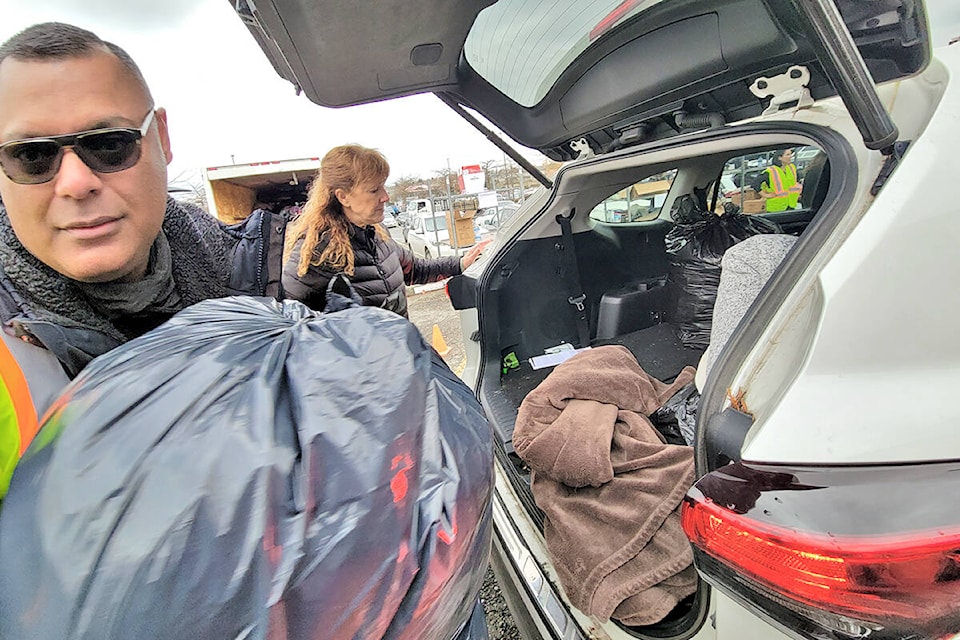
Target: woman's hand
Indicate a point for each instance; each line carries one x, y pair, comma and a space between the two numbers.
471, 256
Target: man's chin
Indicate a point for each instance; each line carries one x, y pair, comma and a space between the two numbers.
103, 273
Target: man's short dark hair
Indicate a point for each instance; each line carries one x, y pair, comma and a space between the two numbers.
57, 41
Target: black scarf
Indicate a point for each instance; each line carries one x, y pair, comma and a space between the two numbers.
189, 262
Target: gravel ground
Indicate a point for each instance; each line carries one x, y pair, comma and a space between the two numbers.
426, 310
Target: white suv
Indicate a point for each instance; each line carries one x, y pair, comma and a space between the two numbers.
825, 442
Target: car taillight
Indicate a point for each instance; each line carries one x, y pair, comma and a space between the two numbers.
885, 564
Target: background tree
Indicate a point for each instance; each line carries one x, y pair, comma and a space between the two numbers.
399, 190
550, 167
439, 182
188, 186
489, 175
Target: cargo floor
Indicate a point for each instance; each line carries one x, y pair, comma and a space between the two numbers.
658, 349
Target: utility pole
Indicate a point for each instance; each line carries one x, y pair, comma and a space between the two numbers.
433, 218
452, 233
520, 173
449, 194
506, 177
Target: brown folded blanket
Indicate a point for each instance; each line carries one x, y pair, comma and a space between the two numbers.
609, 486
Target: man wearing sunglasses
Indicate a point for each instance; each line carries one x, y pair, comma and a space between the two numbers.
92, 251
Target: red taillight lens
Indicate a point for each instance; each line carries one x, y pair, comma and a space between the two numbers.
905, 580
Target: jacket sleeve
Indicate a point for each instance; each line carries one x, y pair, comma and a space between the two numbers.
422, 271
311, 287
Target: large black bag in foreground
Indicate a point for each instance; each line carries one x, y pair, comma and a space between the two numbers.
258, 471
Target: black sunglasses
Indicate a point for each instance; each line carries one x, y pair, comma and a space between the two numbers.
37, 160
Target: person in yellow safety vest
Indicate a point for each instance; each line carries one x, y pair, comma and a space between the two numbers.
779, 185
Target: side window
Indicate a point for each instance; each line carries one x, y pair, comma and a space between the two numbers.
638, 202
783, 179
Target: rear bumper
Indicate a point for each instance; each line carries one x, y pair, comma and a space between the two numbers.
537, 609
538, 606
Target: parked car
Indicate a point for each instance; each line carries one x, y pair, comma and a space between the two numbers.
825, 442
425, 206
428, 236
490, 218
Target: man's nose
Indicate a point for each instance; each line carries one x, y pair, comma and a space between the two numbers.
75, 179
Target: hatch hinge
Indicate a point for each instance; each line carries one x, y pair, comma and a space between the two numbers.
893, 157
787, 90
582, 148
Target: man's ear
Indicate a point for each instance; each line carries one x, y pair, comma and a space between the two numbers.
161, 118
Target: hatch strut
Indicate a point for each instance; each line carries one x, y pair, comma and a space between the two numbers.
848, 73
452, 102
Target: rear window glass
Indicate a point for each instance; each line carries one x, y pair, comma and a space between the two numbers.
435, 224
637, 203
788, 178
522, 47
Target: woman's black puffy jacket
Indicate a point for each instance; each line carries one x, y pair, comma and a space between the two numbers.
382, 268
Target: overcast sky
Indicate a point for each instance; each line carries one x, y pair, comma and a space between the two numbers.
226, 104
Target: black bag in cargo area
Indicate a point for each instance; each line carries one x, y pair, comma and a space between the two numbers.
695, 246
253, 470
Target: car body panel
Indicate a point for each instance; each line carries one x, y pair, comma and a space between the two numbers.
858, 418
733, 621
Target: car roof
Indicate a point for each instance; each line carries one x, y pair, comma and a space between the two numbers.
553, 71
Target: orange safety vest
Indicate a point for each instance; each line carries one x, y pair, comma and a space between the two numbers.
782, 181
18, 416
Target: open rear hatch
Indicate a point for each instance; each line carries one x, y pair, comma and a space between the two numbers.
613, 72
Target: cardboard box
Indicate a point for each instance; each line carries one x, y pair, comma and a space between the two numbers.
460, 224
739, 197
757, 205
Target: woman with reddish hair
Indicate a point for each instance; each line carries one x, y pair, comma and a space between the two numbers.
339, 231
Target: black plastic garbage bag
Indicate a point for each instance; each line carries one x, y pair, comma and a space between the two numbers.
677, 418
253, 470
695, 246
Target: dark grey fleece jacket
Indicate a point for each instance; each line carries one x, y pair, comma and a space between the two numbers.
209, 260
381, 269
